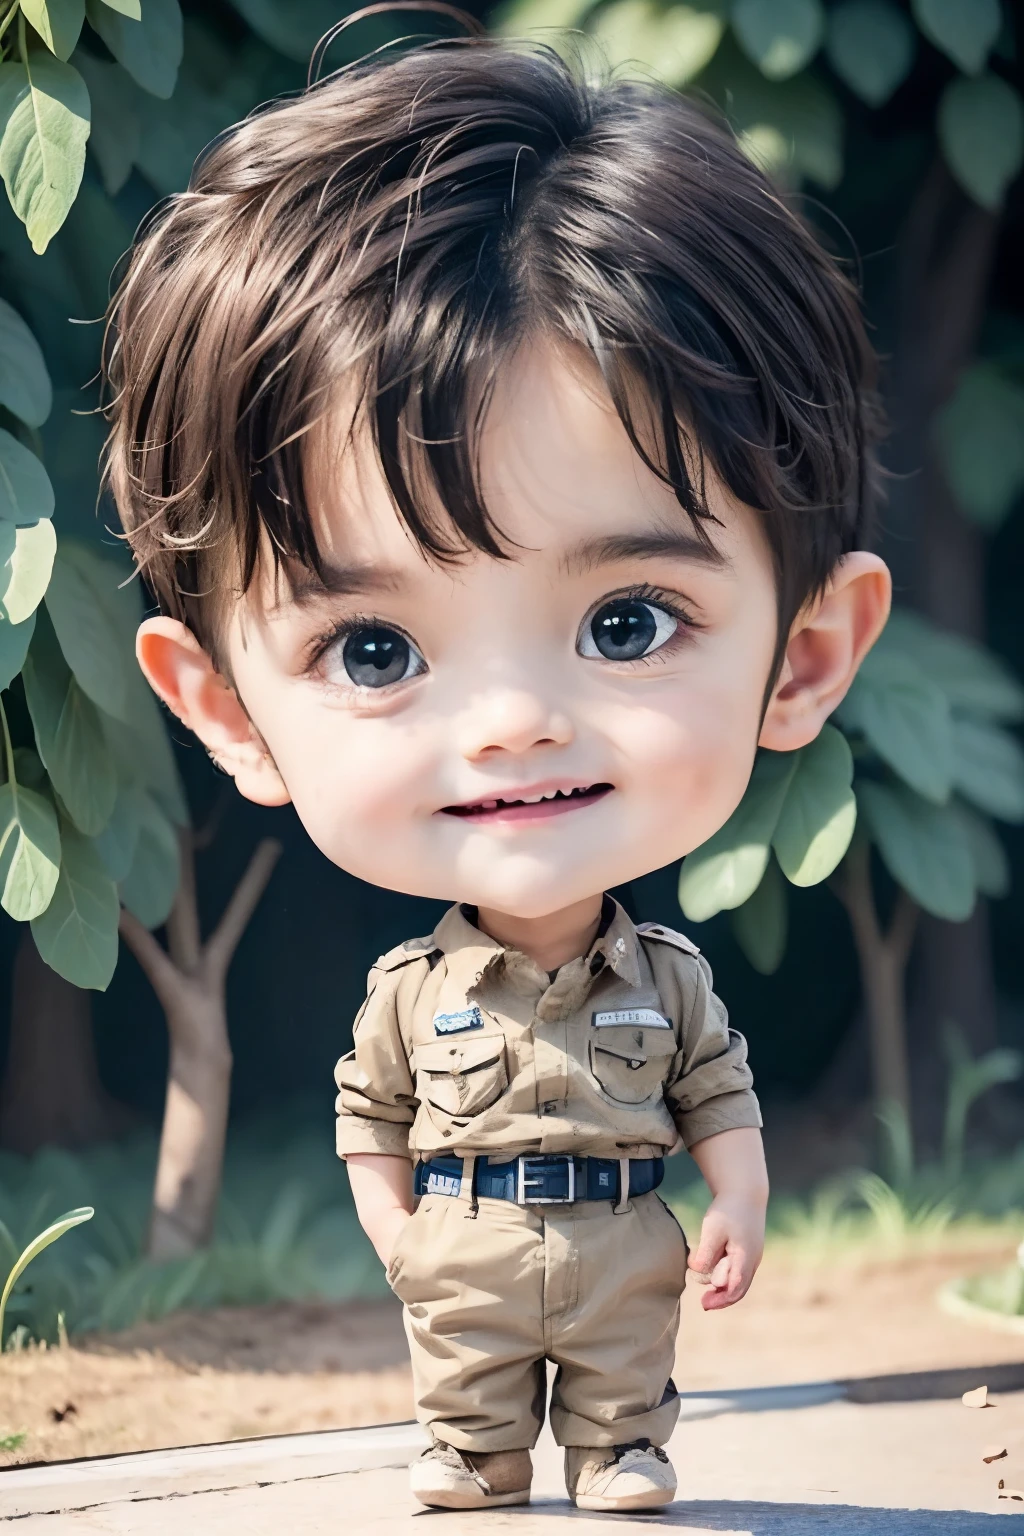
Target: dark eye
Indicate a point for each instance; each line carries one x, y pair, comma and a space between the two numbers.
627, 628
374, 657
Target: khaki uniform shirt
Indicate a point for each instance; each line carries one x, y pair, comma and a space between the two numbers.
466, 1047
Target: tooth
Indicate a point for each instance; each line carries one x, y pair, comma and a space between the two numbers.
488, 805
531, 799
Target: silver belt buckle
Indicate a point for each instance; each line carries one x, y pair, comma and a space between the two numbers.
524, 1198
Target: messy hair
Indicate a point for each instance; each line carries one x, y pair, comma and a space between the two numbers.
400, 229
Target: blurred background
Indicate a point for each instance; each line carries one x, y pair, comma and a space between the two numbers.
883, 999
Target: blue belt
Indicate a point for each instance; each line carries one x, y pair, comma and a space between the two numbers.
541, 1179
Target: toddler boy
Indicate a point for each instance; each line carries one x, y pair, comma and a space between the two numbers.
496, 443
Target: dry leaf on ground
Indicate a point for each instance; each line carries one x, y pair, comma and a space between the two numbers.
993, 1452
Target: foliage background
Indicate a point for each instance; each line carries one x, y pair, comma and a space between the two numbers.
300, 970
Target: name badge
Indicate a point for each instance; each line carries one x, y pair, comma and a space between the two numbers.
645, 1016
443, 1183
456, 1023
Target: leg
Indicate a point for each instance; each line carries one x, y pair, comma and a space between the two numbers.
614, 1402
473, 1285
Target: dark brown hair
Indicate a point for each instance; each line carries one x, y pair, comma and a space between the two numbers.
405, 225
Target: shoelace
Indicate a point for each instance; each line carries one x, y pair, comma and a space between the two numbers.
644, 1446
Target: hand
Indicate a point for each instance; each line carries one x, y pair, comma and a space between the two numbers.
730, 1249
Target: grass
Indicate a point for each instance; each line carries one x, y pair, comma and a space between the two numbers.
287, 1229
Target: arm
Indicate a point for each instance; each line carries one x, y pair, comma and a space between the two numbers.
732, 1233
382, 1191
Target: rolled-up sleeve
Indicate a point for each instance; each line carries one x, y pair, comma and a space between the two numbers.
376, 1101
714, 1088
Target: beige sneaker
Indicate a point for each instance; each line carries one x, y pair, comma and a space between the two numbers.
446, 1478
611, 1477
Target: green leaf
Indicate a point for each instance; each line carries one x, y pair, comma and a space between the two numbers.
991, 865
988, 769
761, 924
14, 643
923, 846
26, 561
26, 494
981, 130
77, 934
149, 888
29, 851
677, 42
44, 110
780, 36
964, 30
117, 842
725, 871
94, 648
819, 813
870, 45
292, 30
58, 22
116, 125
69, 734
974, 681
139, 736
28, 768
24, 382
906, 719
979, 435
150, 48
50, 1235
130, 8
792, 128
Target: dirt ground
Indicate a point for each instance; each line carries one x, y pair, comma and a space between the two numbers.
228, 1374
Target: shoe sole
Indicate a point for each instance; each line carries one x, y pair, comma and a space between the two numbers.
653, 1500
454, 1498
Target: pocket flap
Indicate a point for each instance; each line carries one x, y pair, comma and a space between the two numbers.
459, 1055
630, 1043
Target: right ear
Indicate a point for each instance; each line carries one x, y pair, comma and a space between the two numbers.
179, 670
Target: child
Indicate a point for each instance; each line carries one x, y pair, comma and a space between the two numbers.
497, 444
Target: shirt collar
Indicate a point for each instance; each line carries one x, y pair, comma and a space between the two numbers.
475, 951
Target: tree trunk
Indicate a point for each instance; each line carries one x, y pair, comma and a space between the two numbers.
194, 1127
52, 1094
944, 259
189, 978
883, 957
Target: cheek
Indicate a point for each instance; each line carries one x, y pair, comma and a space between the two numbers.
352, 780
688, 753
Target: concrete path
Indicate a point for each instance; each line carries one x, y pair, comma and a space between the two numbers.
841, 1467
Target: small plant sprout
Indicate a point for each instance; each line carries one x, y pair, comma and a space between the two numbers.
969, 1078
49, 1235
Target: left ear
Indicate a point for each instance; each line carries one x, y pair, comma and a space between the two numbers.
827, 643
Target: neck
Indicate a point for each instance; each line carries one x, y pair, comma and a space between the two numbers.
551, 940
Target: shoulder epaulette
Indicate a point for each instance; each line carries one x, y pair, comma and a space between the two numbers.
664, 935
404, 954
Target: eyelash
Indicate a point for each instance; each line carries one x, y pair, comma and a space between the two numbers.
642, 592
321, 644
669, 602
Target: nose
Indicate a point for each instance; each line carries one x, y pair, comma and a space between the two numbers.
511, 720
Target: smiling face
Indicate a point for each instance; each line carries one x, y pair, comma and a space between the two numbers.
517, 734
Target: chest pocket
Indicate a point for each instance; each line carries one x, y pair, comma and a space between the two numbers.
461, 1077
630, 1062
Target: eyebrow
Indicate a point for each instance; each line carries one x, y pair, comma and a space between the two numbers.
337, 581
671, 543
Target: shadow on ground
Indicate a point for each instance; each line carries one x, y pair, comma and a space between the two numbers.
749, 1518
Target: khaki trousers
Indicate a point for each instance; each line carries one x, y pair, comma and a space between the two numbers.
490, 1297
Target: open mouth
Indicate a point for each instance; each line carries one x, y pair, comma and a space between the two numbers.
555, 802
